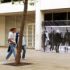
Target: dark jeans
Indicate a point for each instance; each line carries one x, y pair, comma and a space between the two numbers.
24, 51
51, 47
57, 48
44, 47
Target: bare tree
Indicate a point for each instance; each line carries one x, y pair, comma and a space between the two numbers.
18, 55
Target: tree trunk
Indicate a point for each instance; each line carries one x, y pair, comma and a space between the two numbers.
18, 54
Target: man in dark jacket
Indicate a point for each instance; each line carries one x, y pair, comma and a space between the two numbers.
57, 40
51, 40
43, 40
66, 39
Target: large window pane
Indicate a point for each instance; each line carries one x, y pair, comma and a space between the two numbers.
3, 1
59, 16
69, 16
48, 16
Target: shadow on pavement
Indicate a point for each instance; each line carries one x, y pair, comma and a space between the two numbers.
21, 64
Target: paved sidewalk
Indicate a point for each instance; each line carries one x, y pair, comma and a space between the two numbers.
37, 60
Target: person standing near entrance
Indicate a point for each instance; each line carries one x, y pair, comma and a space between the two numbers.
66, 39
51, 39
57, 40
12, 42
45, 39
23, 47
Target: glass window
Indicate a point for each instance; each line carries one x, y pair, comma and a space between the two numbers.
69, 16
4, 1
48, 16
59, 16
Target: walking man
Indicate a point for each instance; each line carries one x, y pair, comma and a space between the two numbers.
67, 40
51, 39
23, 44
23, 47
57, 40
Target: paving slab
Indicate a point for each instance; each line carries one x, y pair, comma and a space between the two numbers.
37, 60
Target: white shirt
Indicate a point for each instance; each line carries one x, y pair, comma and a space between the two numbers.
12, 36
23, 41
47, 35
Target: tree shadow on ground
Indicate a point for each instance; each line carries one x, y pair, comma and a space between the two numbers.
21, 64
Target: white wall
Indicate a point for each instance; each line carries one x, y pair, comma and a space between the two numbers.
54, 4
45, 5
16, 7
2, 30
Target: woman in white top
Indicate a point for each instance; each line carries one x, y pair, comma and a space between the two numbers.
12, 42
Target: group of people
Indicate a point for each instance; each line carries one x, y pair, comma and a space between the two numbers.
55, 38
13, 39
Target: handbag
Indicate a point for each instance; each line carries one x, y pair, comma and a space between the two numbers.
8, 48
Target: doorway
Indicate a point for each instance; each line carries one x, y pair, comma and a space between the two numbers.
30, 33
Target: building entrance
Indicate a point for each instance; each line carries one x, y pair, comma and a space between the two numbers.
57, 30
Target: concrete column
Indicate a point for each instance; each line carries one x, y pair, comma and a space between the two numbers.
38, 26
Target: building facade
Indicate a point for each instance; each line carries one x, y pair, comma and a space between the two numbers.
39, 12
